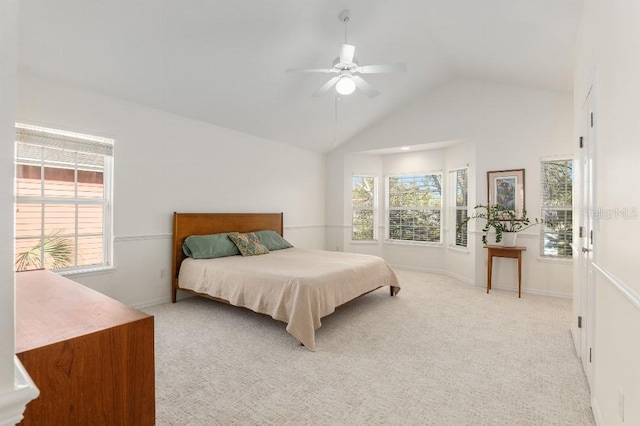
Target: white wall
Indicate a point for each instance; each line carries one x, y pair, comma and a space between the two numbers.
503, 127
8, 67
165, 163
334, 203
519, 126
608, 55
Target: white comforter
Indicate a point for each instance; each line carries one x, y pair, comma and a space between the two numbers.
296, 286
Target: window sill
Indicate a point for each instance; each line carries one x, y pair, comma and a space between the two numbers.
549, 259
98, 270
461, 250
413, 243
365, 242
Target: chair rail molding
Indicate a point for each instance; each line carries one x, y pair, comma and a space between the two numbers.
630, 294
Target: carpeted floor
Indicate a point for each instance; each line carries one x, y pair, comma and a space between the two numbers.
440, 353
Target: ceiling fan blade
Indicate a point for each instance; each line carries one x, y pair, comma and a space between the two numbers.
380, 69
302, 70
346, 53
365, 87
325, 88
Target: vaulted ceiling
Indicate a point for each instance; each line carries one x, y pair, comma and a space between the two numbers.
224, 62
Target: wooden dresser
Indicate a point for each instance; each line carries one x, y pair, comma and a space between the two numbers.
92, 357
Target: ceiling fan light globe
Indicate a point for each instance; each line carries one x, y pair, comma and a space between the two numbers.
345, 86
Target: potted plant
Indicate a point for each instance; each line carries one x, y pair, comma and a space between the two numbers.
506, 223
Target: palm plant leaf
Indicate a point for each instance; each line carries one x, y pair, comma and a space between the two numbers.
58, 252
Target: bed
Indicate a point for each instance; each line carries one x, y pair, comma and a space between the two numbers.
294, 285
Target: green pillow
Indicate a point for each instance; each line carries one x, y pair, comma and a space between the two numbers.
209, 246
248, 244
272, 240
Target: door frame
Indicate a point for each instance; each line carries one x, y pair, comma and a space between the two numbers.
586, 251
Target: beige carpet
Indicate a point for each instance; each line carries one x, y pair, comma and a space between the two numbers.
440, 353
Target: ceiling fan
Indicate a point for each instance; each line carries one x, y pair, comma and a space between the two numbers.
347, 68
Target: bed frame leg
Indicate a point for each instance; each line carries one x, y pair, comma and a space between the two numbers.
391, 291
174, 295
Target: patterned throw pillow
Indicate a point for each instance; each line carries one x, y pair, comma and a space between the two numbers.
248, 244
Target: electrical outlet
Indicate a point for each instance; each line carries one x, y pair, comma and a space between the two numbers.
621, 404
163, 272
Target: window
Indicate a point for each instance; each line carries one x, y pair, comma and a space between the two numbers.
414, 207
460, 196
557, 207
363, 200
63, 200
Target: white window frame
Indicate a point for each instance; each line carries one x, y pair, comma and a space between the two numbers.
388, 209
373, 209
74, 142
544, 208
454, 208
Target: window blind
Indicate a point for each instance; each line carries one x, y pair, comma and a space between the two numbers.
65, 141
557, 207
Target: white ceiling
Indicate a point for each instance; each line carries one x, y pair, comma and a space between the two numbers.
224, 62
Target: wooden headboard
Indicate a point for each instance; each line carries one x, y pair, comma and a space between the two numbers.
185, 224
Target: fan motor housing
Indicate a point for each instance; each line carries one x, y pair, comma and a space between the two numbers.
344, 67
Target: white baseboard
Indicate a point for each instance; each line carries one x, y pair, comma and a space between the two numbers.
167, 299
415, 268
534, 291
160, 301
473, 283
14, 402
152, 302
597, 415
459, 278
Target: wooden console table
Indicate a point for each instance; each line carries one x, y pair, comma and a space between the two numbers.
508, 252
91, 357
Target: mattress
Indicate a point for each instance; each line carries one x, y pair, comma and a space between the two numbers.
296, 286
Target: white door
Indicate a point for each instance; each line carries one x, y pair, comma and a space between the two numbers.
588, 216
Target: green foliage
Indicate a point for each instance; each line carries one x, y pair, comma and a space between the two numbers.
362, 225
414, 204
500, 220
557, 201
415, 191
363, 196
557, 179
363, 191
58, 253
461, 230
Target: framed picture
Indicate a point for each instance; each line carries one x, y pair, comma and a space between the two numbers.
506, 188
